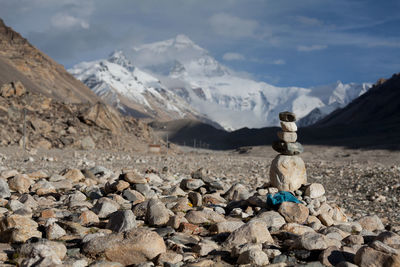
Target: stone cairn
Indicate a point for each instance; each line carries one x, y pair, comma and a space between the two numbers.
288, 171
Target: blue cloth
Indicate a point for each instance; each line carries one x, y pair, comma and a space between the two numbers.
280, 197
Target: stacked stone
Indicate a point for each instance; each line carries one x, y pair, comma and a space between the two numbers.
288, 171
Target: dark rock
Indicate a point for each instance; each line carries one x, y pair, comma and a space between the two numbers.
287, 148
287, 116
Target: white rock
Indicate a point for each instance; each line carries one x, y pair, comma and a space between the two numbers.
288, 126
287, 173
315, 190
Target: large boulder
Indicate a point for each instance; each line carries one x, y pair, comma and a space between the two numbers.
104, 117
287, 173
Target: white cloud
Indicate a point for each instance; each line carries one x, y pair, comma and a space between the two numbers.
305, 48
279, 62
307, 21
230, 56
65, 21
231, 26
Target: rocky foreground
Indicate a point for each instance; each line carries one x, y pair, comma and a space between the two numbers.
100, 208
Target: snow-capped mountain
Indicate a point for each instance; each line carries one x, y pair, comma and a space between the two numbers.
183, 78
334, 96
130, 89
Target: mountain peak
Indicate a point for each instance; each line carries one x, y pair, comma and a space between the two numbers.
183, 39
118, 57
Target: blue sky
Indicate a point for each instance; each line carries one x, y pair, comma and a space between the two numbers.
286, 42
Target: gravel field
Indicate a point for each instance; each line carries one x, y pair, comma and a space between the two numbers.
361, 181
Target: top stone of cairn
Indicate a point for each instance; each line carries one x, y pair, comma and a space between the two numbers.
287, 116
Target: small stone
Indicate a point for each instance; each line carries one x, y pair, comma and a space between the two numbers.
371, 223
289, 149
255, 231
17, 228
88, 217
105, 207
237, 192
191, 184
367, 256
74, 175
288, 137
169, 258
20, 183
157, 214
134, 196
287, 116
225, 227
4, 189
297, 229
272, 219
378, 245
294, 212
42, 253
389, 238
354, 240
134, 177
288, 173
288, 126
54, 231
331, 256
204, 216
175, 221
205, 246
254, 257
313, 241
315, 190
122, 220
196, 199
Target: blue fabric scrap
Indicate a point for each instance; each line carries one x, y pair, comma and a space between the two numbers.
280, 197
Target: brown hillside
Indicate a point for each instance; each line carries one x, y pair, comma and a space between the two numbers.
21, 61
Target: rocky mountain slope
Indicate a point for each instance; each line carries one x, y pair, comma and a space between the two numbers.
184, 69
21, 61
48, 123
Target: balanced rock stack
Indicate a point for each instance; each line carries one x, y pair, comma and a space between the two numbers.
288, 171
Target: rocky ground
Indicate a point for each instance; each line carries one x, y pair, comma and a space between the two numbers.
101, 208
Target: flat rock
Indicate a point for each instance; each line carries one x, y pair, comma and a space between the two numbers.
136, 246
289, 149
288, 126
255, 231
271, 218
287, 173
204, 216
297, 229
226, 226
191, 184
287, 137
